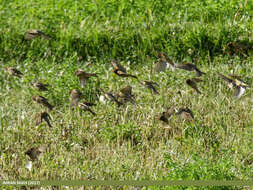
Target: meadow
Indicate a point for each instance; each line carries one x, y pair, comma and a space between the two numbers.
129, 142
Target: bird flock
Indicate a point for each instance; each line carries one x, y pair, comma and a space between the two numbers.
125, 94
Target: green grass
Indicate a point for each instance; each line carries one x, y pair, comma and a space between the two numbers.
127, 143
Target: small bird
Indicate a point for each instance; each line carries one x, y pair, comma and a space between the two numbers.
14, 72
43, 116
118, 66
31, 34
164, 63
111, 97
126, 95
85, 107
83, 76
185, 113
40, 86
151, 85
123, 74
166, 115
193, 83
190, 67
119, 70
35, 152
239, 85
75, 97
43, 101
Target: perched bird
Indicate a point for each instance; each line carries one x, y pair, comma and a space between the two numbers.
126, 95
185, 113
14, 72
193, 83
165, 58
151, 85
75, 97
83, 76
31, 34
111, 97
123, 74
40, 86
166, 115
119, 70
237, 83
118, 66
164, 63
85, 107
190, 67
43, 116
35, 152
43, 101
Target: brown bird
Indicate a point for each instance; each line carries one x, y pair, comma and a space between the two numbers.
239, 85
43, 101
119, 70
123, 74
185, 113
83, 76
116, 65
190, 67
166, 115
40, 86
43, 116
193, 83
109, 96
150, 85
35, 152
75, 97
164, 63
85, 107
14, 72
126, 95
31, 34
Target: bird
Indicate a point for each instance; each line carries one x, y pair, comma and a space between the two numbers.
126, 95
119, 70
111, 97
193, 83
40, 86
43, 116
75, 97
31, 34
150, 85
165, 58
42, 100
85, 107
123, 74
166, 115
237, 83
117, 65
14, 72
83, 76
35, 152
164, 63
189, 67
185, 113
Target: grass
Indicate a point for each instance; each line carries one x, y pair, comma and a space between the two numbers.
127, 143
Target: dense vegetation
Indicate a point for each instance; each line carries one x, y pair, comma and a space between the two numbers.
127, 142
